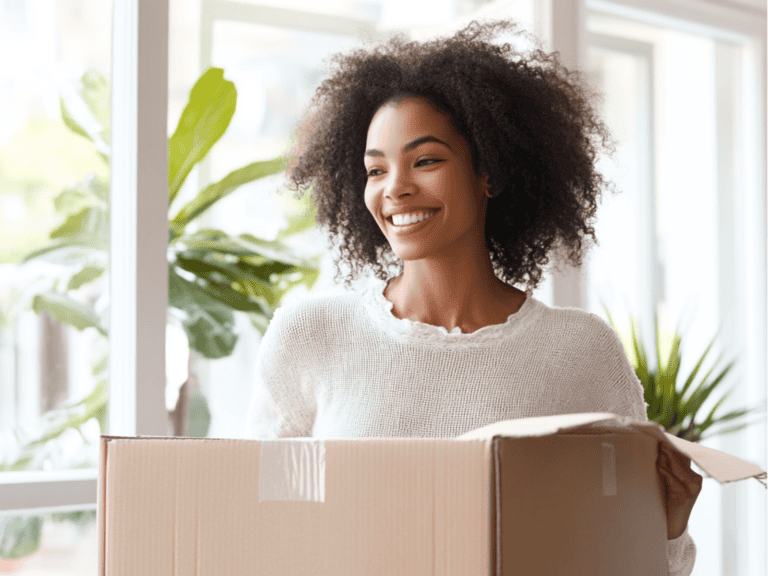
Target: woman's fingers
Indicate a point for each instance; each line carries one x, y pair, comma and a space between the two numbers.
678, 465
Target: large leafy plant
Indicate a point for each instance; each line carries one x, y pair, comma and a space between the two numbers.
676, 407
211, 274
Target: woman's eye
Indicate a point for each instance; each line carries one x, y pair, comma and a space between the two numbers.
422, 162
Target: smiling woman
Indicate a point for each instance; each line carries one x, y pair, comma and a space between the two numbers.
465, 164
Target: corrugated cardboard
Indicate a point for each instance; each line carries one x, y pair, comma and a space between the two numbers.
574, 494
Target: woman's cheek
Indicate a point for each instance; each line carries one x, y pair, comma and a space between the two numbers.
372, 207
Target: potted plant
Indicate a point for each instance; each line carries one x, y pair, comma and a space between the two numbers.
677, 408
211, 274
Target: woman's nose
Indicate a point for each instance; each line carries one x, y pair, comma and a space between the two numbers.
398, 185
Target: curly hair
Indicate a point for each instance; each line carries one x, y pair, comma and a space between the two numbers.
530, 128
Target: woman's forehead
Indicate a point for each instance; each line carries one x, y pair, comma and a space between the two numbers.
406, 118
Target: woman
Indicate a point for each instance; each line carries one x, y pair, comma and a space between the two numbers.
461, 165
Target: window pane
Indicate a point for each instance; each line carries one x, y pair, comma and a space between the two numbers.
54, 191
615, 267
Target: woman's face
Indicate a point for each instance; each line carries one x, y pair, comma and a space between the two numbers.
417, 164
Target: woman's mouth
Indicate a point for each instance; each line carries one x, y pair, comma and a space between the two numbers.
402, 222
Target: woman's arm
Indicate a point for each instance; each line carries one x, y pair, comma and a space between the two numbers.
280, 406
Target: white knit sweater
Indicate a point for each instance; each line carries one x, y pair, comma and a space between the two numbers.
338, 364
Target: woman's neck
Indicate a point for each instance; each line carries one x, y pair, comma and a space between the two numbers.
453, 292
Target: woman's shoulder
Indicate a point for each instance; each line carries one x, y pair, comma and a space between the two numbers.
581, 327
316, 313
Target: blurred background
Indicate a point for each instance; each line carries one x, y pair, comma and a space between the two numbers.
684, 242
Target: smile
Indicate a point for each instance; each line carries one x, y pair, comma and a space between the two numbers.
406, 220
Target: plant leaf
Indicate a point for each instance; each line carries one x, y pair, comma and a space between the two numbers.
71, 123
209, 323
703, 391
90, 243
275, 250
238, 274
309, 278
88, 222
199, 416
87, 274
726, 431
67, 311
642, 360
260, 322
204, 120
87, 193
234, 299
250, 249
207, 240
20, 537
73, 415
668, 377
696, 368
734, 414
95, 92
218, 190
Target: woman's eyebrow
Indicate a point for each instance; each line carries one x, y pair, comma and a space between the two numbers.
410, 146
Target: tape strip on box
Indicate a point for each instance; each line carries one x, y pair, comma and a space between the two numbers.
292, 470
609, 469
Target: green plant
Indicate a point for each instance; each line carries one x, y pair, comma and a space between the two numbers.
211, 274
669, 405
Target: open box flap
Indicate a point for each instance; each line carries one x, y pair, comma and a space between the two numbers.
719, 465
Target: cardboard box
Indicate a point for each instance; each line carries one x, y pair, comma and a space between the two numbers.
574, 494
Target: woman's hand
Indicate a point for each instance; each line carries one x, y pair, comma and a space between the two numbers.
681, 488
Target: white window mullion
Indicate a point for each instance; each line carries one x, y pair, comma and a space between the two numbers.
568, 36
743, 294
730, 261
139, 226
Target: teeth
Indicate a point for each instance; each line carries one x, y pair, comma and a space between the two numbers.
403, 219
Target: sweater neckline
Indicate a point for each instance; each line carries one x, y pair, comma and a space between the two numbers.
381, 310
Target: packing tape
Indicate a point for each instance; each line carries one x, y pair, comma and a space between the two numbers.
609, 469
292, 469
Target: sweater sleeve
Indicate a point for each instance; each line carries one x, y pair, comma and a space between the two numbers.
624, 393
279, 408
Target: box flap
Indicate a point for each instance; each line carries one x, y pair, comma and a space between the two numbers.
719, 465
536, 426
